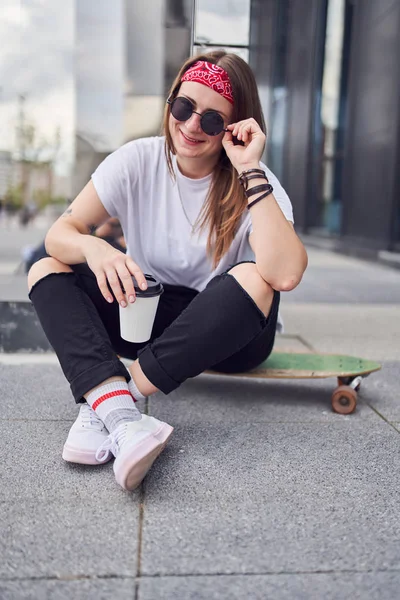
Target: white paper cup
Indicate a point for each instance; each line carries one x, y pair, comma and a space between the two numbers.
136, 320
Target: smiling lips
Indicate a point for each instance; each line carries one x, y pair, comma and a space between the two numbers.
190, 140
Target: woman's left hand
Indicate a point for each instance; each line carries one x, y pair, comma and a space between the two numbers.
249, 132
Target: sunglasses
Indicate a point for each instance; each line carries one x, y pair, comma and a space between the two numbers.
211, 122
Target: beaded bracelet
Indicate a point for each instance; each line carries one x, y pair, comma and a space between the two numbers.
267, 193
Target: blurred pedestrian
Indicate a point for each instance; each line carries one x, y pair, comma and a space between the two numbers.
27, 213
110, 231
204, 217
24, 216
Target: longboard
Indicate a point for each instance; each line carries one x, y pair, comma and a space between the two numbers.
349, 370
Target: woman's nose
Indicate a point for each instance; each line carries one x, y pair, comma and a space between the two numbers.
193, 123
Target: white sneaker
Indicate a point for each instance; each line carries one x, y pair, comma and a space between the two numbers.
84, 438
135, 446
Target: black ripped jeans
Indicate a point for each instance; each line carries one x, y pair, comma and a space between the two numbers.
220, 328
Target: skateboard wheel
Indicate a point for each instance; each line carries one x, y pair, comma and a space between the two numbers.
344, 400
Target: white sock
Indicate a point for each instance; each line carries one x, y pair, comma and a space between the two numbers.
134, 390
114, 404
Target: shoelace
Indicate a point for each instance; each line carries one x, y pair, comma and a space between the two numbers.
90, 419
112, 444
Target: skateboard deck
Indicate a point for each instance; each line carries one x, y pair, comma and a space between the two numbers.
349, 370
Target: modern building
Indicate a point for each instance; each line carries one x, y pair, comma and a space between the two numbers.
332, 71
329, 80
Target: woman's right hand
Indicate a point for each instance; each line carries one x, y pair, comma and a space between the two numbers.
111, 268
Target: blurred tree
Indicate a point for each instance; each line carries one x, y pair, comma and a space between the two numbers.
35, 155
42, 198
13, 199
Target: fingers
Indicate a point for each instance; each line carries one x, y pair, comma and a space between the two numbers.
114, 282
227, 140
237, 133
102, 283
137, 273
117, 275
244, 130
125, 278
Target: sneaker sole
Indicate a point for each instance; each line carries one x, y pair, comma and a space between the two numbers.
81, 457
131, 469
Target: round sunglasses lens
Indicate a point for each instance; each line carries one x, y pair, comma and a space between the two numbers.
181, 109
212, 123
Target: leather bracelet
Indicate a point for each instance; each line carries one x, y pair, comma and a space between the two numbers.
260, 198
257, 176
251, 171
258, 188
244, 179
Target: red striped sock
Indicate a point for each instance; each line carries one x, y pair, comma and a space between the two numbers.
114, 404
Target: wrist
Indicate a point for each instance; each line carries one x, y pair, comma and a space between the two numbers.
246, 166
89, 243
256, 186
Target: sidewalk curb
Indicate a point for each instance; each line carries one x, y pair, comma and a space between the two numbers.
20, 330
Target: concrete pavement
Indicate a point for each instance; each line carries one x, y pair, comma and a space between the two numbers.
262, 493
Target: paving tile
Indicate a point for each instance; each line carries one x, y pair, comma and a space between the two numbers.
32, 466
89, 589
261, 498
337, 284
383, 393
370, 331
310, 586
382, 348
342, 279
221, 399
290, 343
69, 539
348, 320
32, 391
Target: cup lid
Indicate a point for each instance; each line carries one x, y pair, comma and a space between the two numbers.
154, 288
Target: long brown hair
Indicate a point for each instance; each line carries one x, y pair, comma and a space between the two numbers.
226, 201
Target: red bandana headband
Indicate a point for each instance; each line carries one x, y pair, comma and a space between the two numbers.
212, 76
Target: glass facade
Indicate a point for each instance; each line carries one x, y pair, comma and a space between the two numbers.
333, 104
279, 93
99, 73
329, 202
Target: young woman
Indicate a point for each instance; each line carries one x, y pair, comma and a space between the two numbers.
203, 215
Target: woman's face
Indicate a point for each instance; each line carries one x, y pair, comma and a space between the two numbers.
188, 138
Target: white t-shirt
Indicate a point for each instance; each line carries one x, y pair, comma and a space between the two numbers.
134, 185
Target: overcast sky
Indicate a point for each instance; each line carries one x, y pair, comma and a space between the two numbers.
36, 60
